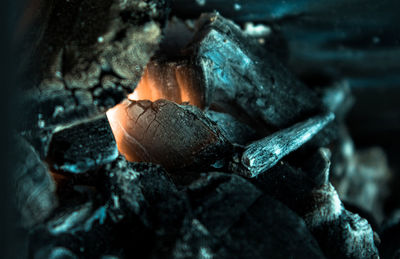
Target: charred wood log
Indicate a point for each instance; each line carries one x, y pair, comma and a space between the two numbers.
263, 154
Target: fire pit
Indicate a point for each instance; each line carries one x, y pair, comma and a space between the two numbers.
153, 129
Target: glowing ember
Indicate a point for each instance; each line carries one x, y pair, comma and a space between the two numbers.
168, 81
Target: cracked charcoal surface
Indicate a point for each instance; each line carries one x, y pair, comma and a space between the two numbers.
35, 188
263, 154
175, 136
83, 147
86, 58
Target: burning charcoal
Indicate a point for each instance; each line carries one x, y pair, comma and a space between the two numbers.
35, 188
173, 80
162, 132
390, 242
234, 130
83, 147
87, 57
268, 229
220, 199
261, 155
236, 79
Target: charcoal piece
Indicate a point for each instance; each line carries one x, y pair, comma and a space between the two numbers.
83, 147
389, 235
318, 167
340, 233
257, 87
146, 191
79, 218
89, 231
234, 130
348, 237
362, 177
335, 228
268, 229
54, 253
219, 200
86, 57
194, 241
288, 184
162, 132
263, 154
35, 188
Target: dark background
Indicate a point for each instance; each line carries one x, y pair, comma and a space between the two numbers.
9, 236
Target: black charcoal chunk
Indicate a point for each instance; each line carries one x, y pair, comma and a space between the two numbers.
83, 147
290, 185
361, 177
263, 154
237, 79
340, 233
88, 230
234, 130
194, 241
35, 188
268, 229
318, 166
54, 253
145, 190
219, 200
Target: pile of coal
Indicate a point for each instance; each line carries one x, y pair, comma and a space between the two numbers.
156, 137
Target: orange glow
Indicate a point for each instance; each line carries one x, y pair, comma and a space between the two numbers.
170, 81
178, 85
118, 119
147, 89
